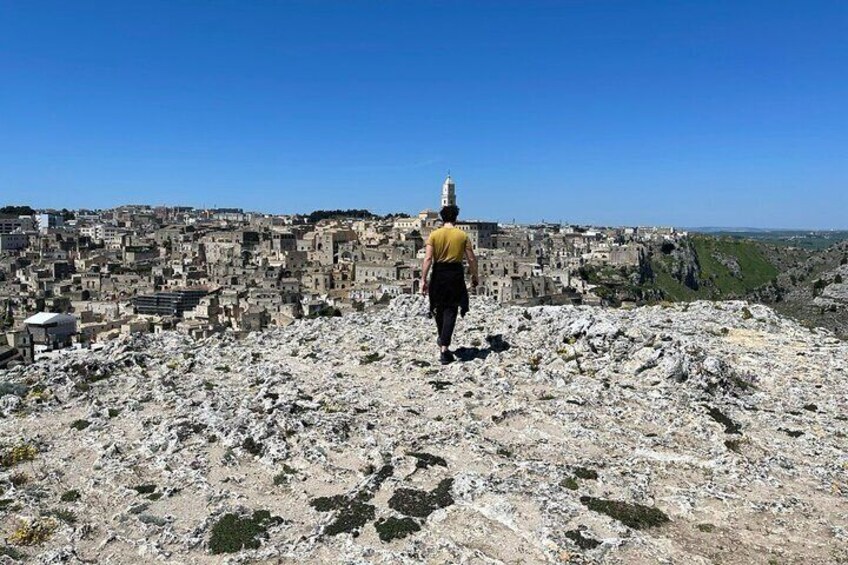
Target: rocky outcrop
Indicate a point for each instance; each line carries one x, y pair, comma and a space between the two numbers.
833, 289
681, 262
728, 262
695, 433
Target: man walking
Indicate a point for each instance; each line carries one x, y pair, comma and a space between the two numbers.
446, 249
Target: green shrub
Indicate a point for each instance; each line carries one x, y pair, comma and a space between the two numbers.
66, 516
70, 496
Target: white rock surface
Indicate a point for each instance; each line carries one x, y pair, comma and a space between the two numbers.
724, 416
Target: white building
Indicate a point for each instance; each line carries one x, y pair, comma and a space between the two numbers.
101, 232
448, 192
47, 221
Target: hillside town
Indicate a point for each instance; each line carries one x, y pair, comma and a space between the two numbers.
79, 278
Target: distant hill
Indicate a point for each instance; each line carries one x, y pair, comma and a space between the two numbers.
805, 239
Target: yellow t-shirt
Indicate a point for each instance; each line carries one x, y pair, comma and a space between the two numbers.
448, 245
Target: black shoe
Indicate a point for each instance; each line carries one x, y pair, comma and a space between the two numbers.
446, 357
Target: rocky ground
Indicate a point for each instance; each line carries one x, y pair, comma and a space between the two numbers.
693, 433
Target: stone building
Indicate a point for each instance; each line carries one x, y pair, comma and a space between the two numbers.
480, 233
15, 241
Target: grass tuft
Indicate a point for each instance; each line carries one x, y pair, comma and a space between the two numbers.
70, 496
18, 454
33, 532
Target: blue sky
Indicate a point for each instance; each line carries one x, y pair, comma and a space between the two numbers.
687, 113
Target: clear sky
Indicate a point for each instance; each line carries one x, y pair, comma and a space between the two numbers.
692, 113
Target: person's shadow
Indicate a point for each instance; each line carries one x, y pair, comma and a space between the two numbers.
497, 344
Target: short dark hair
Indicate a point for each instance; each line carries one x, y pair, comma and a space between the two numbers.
449, 213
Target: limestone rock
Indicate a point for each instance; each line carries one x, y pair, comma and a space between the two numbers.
558, 429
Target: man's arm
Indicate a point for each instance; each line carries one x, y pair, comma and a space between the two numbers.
425, 268
472, 264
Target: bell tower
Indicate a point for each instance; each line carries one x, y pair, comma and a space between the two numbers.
448, 192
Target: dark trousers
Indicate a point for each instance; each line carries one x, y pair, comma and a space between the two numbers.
446, 322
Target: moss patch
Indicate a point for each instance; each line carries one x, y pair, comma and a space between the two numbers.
636, 516
418, 503
395, 528
352, 515
70, 496
570, 483
80, 425
284, 476
734, 445
583, 542
353, 510
252, 446
144, 489
370, 358
730, 427
586, 474
232, 533
425, 460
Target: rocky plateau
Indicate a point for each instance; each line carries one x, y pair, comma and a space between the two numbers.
707, 432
